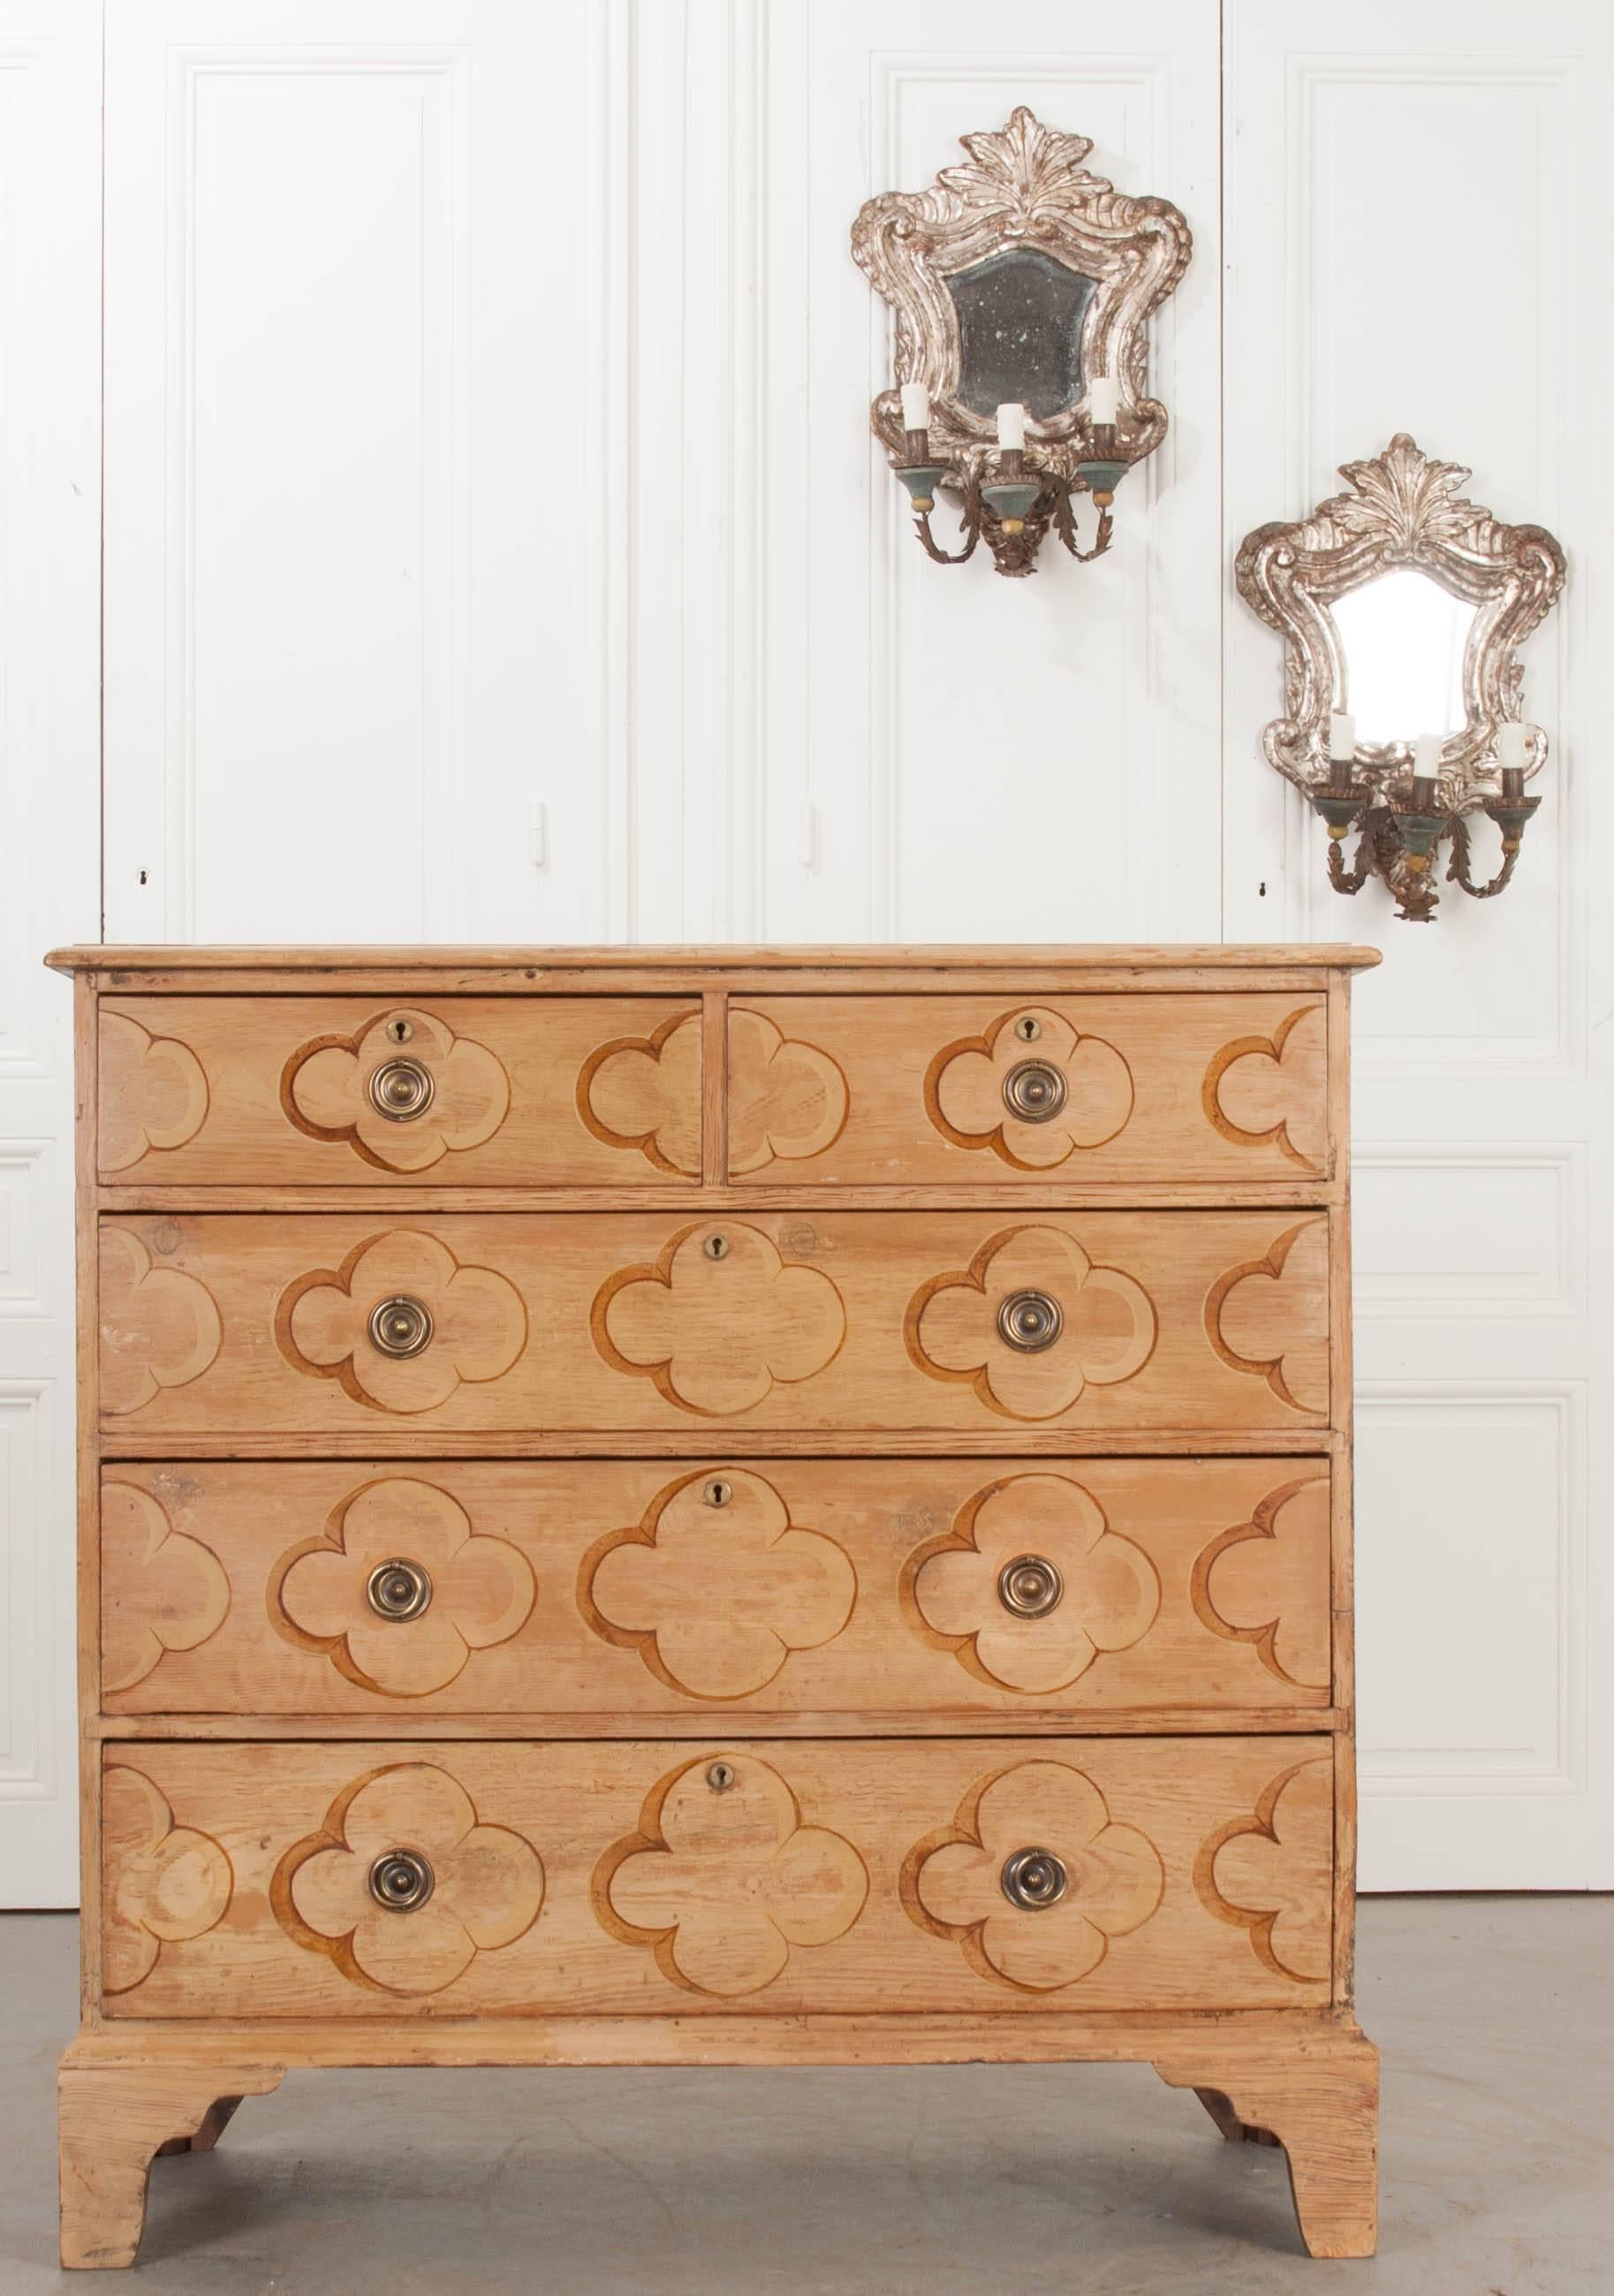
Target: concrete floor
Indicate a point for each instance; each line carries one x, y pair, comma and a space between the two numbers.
1495, 2016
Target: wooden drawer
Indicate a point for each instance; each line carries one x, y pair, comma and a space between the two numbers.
641, 1878
608, 1594
219, 1323
1173, 1090
452, 1091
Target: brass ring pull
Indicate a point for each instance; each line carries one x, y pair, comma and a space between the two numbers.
402, 1880
400, 1326
1030, 1586
402, 1090
1035, 1091
399, 1589
1030, 1321
1035, 1879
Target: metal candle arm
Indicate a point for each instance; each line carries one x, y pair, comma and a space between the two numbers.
1015, 510
1400, 842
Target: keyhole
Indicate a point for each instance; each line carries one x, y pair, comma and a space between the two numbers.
1028, 1028
399, 1030
716, 1247
720, 1777
717, 1493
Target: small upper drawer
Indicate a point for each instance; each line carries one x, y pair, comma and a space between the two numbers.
1218, 1090
458, 1091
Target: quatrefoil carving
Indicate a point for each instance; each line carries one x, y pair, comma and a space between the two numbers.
325, 1090
964, 1090
1262, 1091
1108, 1332
1271, 1873
166, 1883
160, 1327
171, 1590
478, 1316
1111, 1590
952, 1882
722, 1880
787, 1099
645, 1093
1232, 1584
1269, 1316
153, 1092
715, 1329
715, 1599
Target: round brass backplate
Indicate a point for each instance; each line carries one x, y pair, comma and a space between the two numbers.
1030, 1586
1030, 1321
720, 1776
1034, 1880
401, 1325
401, 1090
1035, 1091
716, 1247
401, 1879
399, 1589
717, 1492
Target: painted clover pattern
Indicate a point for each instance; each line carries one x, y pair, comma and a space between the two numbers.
325, 1090
1263, 1091
166, 1883
1108, 1332
1272, 1873
152, 1093
160, 1327
718, 1320
482, 1589
478, 1322
953, 1883
170, 1595
787, 1099
645, 1093
1269, 1316
487, 1883
1232, 1585
1111, 1590
964, 1090
722, 1882
715, 1598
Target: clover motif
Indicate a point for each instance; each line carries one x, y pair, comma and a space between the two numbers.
715, 1587
1111, 1589
1269, 1316
970, 1095
166, 1883
953, 1884
485, 1891
481, 1589
645, 1093
1272, 1873
1270, 1089
478, 1327
153, 1092
1233, 1582
1107, 1333
722, 1879
718, 1319
787, 1099
169, 1593
160, 1327
325, 1090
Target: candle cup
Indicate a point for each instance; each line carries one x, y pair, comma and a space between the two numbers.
1422, 799
1512, 784
1011, 461
916, 446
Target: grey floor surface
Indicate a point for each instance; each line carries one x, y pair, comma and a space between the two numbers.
1494, 2015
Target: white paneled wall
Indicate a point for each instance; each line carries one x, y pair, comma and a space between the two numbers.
495, 548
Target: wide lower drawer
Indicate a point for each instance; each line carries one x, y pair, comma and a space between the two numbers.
289, 1880
525, 1322
940, 1593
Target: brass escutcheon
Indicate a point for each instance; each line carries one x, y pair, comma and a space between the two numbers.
401, 1090
716, 1247
399, 1030
1030, 1321
720, 1776
399, 1589
401, 1879
717, 1493
1030, 1586
1028, 1028
400, 1326
1035, 1879
1035, 1091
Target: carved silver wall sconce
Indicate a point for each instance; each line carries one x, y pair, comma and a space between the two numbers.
1023, 287
1402, 607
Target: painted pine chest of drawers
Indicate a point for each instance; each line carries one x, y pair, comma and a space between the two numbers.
742, 1507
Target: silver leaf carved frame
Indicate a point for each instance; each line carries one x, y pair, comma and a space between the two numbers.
1023, 187
1402, 510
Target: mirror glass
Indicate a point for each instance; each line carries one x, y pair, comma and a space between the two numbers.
1020, 326
1403, 637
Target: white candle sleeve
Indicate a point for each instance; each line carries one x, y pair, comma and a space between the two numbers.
1342, 735
1104, 399
1426, 754
1512, 744
1012, 423
916, 407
